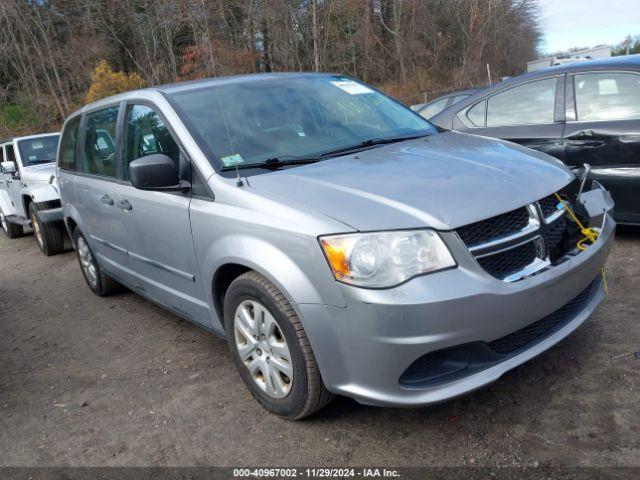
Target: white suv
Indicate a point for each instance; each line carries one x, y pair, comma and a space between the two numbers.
29, 194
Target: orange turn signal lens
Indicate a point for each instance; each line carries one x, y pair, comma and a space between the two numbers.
336, 253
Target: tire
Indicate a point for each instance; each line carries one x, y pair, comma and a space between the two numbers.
49, 236
99, 282
11, 230
305, 393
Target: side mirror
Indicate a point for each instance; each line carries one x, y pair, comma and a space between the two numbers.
8, 167
154, 172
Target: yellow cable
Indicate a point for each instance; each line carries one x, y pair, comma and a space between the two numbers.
604, 282
590, 235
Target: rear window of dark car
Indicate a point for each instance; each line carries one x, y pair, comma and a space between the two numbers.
434, 108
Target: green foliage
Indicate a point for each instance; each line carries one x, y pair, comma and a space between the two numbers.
19, 117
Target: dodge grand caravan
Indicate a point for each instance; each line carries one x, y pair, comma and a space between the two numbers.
340, 242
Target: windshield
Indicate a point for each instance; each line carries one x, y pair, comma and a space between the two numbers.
250, 121
38, 150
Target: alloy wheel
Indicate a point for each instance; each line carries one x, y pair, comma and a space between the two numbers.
3, 222
87, 263
263, 348
36, 230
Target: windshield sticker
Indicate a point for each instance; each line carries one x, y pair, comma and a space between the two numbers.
36, 145
102, 143
299, 130
33, 157
232, 160
352, 88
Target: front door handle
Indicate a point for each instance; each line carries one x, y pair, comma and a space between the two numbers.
107, 200
125, 205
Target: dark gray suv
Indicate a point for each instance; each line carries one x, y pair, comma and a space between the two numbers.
339, 242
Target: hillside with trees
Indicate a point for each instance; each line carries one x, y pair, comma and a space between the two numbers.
52, 50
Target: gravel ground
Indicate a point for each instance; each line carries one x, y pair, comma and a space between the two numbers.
89, 381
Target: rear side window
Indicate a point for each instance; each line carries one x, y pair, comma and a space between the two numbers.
146, 134
67, 158
1, 154
607, 96
11, 155
529, 104
477, 113
99, 152
434, 108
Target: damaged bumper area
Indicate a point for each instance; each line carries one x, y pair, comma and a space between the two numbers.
597, 203
442, 335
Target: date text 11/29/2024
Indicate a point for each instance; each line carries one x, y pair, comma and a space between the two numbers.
315, 472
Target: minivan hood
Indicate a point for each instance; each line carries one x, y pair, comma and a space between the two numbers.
442, 181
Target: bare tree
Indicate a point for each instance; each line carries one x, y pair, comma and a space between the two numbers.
49, 47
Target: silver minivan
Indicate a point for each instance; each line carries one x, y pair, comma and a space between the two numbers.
340, 242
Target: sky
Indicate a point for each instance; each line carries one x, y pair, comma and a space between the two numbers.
587, 23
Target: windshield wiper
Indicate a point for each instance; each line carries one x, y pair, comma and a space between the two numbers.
274, 163
369, 143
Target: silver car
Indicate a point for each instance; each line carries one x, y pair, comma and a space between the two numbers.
340, 242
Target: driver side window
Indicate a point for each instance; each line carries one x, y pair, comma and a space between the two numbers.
146, 134
99, 153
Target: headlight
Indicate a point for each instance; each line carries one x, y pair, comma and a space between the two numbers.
385, 259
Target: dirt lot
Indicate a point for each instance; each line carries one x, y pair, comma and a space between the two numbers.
118, 381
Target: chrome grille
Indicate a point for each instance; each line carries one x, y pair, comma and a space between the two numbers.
495, 227
509, 261
519, 243
549, 205
554, 237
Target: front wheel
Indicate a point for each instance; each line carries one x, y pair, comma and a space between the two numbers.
11, 230
49, 236
271, 350
99, 282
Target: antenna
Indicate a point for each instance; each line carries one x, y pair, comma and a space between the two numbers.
238, 180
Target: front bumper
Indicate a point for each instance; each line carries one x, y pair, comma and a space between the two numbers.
51, 215
364, 349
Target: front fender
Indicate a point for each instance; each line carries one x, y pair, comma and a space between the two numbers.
44, 193
277, 266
